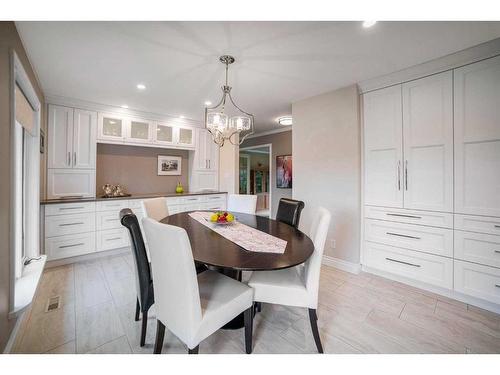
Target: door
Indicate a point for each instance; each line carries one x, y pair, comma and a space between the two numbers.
212, 152
477, 138
60, 137
202, 150
383, 147
139, 131
75, 183
163, 134
111, 127
84, 139
185, 137
428, 143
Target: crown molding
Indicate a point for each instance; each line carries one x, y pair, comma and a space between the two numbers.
467, 56
99, 107
269, 132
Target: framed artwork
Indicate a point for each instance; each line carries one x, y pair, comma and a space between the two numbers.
284, 171
169, 165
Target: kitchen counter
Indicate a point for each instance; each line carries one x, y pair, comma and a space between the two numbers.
133, 196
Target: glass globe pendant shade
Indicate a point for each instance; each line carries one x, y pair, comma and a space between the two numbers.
217, 122
240, 123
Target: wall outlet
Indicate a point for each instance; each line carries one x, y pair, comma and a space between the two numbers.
332, 244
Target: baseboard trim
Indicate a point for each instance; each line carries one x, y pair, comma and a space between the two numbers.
86, 257
341, 264
15, 335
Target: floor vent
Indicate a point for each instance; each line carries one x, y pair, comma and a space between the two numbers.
53, 303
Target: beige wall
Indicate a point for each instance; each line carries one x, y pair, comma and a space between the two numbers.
327, 165
282, 145
229, 168
9, 40
135, 168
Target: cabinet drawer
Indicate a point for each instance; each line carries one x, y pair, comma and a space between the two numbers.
478, 248
61, 225
135, 203
193, 199
214, 206
69, 208
70, 245
216, 198
481, 224
172, 201
112, 239
434, 219
431, 269
477, 281
438, 241
108, 220
114, 205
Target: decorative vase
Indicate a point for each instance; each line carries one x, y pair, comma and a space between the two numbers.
179, 189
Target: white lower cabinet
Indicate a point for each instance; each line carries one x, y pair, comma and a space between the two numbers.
65, 183
80, 228
478, 248
478, 281
427, 268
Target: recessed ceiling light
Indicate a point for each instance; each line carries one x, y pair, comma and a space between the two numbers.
124, 106
181, 116
367, 24
207, 103
285, 120
141, 86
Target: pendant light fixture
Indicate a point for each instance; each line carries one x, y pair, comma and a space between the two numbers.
226, 120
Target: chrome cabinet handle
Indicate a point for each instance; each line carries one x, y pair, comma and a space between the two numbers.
498, 286
209, 164
497, 226
112, 219
113, 239
400, 261
399, 174
71, 208
402, 235
69, 224
69, 159
76, 244
401, 215
406, 174
74, 158
497, 251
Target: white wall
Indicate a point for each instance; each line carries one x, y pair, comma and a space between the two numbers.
327, 166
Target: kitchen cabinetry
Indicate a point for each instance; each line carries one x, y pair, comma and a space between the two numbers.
204, 163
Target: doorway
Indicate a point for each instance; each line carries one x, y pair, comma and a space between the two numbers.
255, 175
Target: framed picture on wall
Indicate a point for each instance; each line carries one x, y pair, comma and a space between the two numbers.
284, 171
169, 165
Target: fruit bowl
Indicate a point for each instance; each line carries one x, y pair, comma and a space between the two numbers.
221, 218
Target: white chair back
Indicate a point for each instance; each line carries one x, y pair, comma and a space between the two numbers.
177, 297
318, 233
243, 203
155, 208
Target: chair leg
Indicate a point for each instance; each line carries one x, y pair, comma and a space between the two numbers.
160, 334
248, 317
194, 350
258, 306
144, 327
137, 310
314, 326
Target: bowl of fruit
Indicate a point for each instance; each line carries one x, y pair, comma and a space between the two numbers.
222, 218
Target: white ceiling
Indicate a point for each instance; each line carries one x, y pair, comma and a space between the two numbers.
277, 62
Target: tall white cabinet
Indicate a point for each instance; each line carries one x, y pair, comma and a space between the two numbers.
432, 182
204, 163
71, 152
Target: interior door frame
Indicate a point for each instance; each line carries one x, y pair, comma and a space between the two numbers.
271, 170
248, 172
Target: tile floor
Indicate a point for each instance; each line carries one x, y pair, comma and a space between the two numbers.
357, 314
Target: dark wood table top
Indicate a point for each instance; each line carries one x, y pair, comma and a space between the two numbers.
211, 248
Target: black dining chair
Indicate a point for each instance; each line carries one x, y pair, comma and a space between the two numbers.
289, 211
143, 279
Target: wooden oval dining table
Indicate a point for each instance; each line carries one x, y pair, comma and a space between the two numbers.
214, 250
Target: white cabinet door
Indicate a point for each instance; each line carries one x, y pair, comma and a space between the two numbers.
139, 131
212, 152
84, 139
112, 127
60, 137
64, 183
383, 147
185, 137
163, 134
477, 138
428, 143
204, 180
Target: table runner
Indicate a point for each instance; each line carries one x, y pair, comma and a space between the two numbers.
249, 238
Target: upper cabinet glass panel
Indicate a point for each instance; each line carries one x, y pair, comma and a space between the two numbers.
186, 136
112, 127
139, 130
164, 133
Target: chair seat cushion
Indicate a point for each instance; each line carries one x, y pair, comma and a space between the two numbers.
222, 299
283, 287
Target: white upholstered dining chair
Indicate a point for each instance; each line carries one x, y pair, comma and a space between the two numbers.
297, 286
192, 307
243, 203
155, 208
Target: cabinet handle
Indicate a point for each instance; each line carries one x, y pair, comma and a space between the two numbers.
113, 239
69, 159
209, 166
406, 174
498, 286
402, 235
497, 226
76, 244
400, 261
74, 159
112, 219
71, 208
399, 174
401, 215
68, 224
497, 251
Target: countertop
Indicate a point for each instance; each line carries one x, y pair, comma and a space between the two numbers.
133, 196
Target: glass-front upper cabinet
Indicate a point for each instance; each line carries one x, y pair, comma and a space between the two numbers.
164, 134
139, 131
111, 127
185, 136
